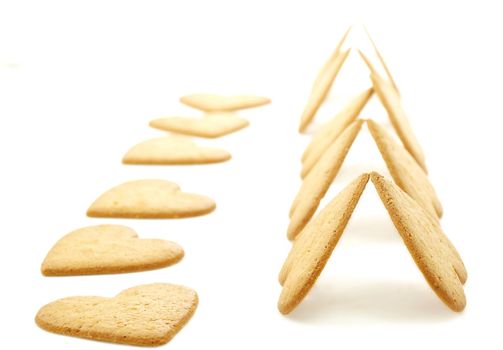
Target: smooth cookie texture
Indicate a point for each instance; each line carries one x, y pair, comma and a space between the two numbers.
212, 125
431, 250
108, 249
391, 102
147, 315
170, 150
405, 171
313, 247
329, 132
316, 184
154, 199
321, 88
219, 103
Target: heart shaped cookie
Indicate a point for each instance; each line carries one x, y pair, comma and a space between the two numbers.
212, 125
154, 199
147, 315
108, 249
218, 103
173, 150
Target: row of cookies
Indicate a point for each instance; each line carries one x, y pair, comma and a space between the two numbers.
410, 200
219, 118
149, 314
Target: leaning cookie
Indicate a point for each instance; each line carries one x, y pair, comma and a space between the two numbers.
315, 244
329, 132
431, 250
320, 90
170, 150
405, 171
105, 249
150, 199
147, 315
393, 105
316, 184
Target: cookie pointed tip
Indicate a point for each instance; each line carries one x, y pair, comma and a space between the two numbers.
284, 308
375, 177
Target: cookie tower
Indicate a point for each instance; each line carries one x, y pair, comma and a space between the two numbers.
410, 198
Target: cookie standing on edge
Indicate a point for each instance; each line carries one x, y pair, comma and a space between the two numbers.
383, 63
170, 150
330, 61
318, 181
431, 250
405, 171
219, 103
321, 89
147, 315
329, 132
105, 249
153, 199
391, 102
315, 244
212, 125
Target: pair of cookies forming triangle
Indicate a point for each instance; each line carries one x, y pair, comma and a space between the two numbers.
327, 75
403, 168
146, 315
431, 250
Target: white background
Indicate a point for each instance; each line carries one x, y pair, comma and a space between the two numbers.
79, 82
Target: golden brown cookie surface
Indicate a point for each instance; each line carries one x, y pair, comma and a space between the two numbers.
147, 315
329, 132
321, 88
431, 250
212, 125
393, 105
108, 249
155, 199
405, 171
316, 184
170, 150
220, 103
315, 244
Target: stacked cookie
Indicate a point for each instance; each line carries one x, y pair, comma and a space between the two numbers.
149, 314
410, 198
